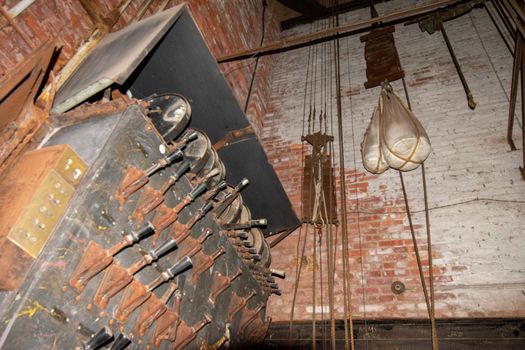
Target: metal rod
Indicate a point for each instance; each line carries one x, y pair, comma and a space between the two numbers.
514, 16
470, 98
514, 90
499, 30
523, 109
502, 13
331, 33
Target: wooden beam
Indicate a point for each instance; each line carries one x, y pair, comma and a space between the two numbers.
331, 33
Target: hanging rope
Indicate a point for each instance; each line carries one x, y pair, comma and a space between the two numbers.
431, 304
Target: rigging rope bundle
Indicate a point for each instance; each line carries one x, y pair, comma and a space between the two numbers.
394, 138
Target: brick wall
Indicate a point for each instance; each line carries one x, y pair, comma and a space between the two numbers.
226, 26
479, 251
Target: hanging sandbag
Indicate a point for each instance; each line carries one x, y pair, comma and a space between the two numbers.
371, 152
404, 141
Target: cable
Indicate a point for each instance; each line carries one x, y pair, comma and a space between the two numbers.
249, 94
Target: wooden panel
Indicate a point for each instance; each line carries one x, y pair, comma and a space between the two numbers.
381, 57
308, 194
454, 334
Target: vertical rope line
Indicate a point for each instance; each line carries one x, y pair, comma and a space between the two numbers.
435, 343
430, 306
414, 242
299, 266
348, 323
314, 312
363, 294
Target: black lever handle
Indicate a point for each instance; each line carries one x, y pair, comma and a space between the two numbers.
197, 191
99, 339
163, 249
206, 208
120, 343
177, 154
179, 267
182, 169
144, 231
244, 182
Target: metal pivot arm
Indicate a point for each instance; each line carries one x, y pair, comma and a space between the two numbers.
470, 98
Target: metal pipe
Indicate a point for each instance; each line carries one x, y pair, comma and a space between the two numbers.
514, 90
331, 33
470, 98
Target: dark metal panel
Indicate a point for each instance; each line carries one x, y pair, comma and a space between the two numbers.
182, 63
260, 195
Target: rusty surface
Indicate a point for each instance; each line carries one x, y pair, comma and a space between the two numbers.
204, 262
94, 260
192, 246
237, 303
149, 199
221, 283
381, 57
131, 182
153, 309
19, 118
89, 111
248, 316
181, 234
186, 334
134, 296
166, 329
33, 196
96, 217
115, 279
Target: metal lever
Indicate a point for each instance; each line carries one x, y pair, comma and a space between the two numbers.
244, 182
99, 339
120, 343
179, 267
244, 225
144, 231
214, 191
163, 249
278, 273
182, 169
197, 191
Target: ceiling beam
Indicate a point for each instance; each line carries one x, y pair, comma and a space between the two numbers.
342, 30
328, 11
304, 7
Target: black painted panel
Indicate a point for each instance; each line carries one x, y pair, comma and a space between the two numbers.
182, 63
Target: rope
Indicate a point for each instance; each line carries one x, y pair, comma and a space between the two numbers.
356, 194
348, 322
416, 249
435, 343
430, 301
